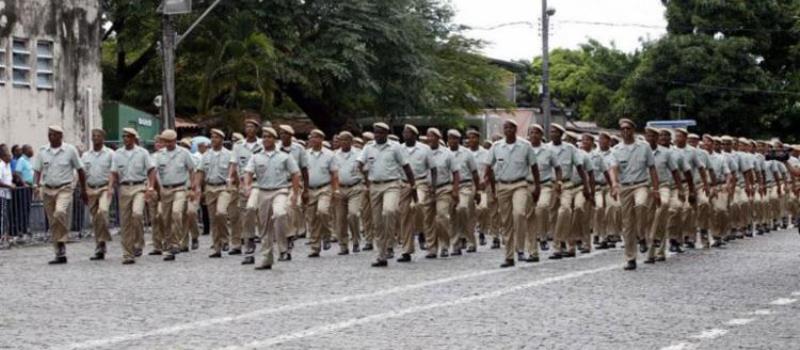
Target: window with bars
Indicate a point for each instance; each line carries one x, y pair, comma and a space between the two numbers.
2, 61
20, 62
44, 64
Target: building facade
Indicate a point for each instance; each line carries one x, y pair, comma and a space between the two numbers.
49, 69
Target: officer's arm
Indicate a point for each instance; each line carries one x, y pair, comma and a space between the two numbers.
36, 176
687, 175
152, 179
712, 177
476, 179
409, 175
295, 182
582, 173
334, 181
559, 174
654, 177
304, 172
232, 171
704, 178
82, 179
778, 179
456, 183
676, 177
490, 178
197, 180
607, 176
433, 178
592, 183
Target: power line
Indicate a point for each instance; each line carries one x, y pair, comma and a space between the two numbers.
631, 25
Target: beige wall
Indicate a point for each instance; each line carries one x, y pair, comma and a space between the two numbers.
74, 28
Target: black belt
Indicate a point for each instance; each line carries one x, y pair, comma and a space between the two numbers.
94, 187
442, 185
57, 186
465, 181
169, 187
350, 186
416, 178
511, 182
318, 187
217, 184
633, 183
382, 182
131, 183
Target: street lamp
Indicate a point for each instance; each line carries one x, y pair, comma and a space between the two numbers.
547, 12
169, 42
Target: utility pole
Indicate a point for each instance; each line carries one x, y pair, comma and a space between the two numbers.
546, 13
168, 73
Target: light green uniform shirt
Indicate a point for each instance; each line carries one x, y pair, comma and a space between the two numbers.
567, 156
445, 164
272, 169
57, 165
214, 165
320, 165
298, 153
347, 162
465, 163
547, 163
174, 167
132, 165
97, 166
585, 161
512, 162
420, 160
634, 161
243, 151
665, 162
383, 162
481, 160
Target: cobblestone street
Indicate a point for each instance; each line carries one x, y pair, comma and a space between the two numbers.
742, 297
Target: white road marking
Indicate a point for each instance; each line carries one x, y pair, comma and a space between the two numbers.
796, 294
332, 327
679, 346
762, 312
711, 333
739, 321
106, 342
783, 301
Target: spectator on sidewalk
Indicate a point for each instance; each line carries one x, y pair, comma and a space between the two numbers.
6, 185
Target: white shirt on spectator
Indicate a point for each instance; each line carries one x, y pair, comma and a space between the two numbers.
6, 179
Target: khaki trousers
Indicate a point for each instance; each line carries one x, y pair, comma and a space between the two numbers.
56, 206
613, 215
384, 203
218, 200
273, 206
483, 214
348, 214
563, 225
598, 215
244, 220
173, 202
366, 219
438, 215
634, 210
463, 220
98, 208
297, 220
156, 224
131, 211
190, 229
539, 216
318, 216
581, 221
494, 218
513, 201
658, 227
720, 204
741, 201
410, 212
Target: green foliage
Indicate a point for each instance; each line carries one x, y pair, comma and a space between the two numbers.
333, 60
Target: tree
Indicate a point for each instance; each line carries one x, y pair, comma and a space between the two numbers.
332, 60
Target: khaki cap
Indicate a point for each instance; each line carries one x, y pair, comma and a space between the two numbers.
218, 132
269, 130
169, 135
131, 131
286, 128
381, 125
318, 132
435, 131
412, 129
454, 133
56, 128
559, 127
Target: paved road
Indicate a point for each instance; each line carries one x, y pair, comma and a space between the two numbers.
742, 297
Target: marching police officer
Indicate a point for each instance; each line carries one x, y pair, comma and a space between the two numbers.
54, 169
97, 164
212, 174
175, 166
243, 215
323, 183
133, 170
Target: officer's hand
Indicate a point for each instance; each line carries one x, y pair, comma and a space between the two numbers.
537, 191
305, 197
477, 198
615, 192
415, 197
657, 198
456, 199
692, 198
247, 191
557, 188
587, 195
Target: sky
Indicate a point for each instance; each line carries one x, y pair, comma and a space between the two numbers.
525, 42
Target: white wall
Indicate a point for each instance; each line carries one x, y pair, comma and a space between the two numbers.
74, 28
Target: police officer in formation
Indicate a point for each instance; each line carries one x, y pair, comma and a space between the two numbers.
666, 190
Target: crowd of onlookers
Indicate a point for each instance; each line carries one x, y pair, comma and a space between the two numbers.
16, 178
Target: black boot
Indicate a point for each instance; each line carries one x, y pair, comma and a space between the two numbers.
630, 266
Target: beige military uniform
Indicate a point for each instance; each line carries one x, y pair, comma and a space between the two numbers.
421, 161
321, 166
464, 218
273, 171
97, 165
511, 164
131, 167
384, 163
542, 216
349, 199
174, 169
57, 167
568, 159
243, 216
633, 161
218, 194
